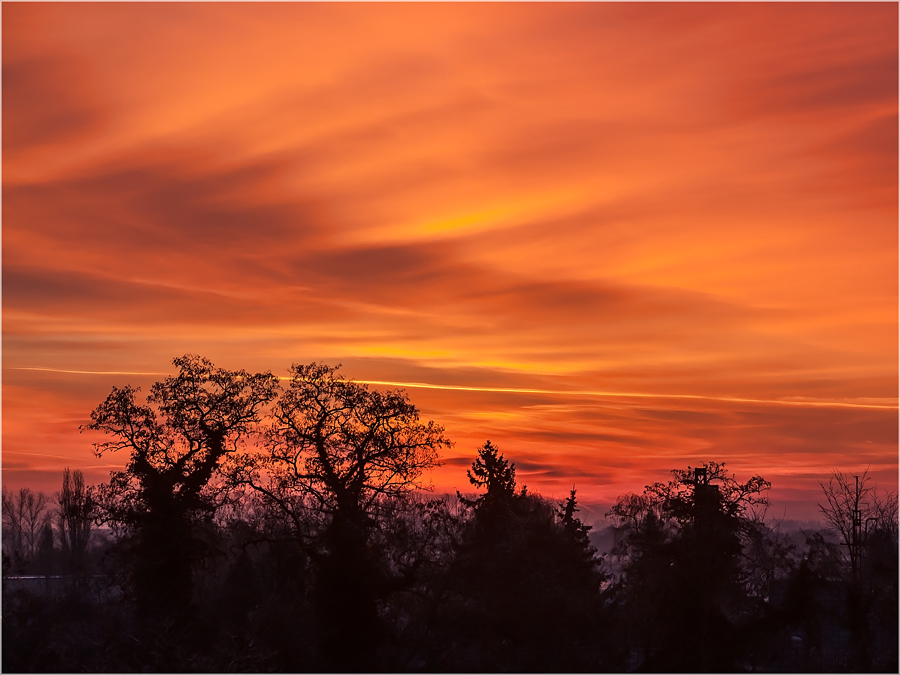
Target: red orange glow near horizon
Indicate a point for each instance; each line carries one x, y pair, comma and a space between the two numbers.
614, 239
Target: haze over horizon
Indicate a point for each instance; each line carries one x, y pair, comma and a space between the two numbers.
614, 239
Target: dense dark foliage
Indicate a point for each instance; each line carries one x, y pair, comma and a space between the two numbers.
313, 552
682, 586
525, 586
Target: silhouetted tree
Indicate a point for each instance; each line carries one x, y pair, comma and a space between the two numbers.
525, 585
847, 504
867, 524
176, 441
13, 538
24, 516
45, 558
76, 512
576, 529
494, 473
769, 556
683, 582
879, 576
854, 508
335, 450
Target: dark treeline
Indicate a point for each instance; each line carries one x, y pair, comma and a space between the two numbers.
263, 528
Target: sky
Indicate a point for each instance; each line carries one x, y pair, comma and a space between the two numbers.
614, 239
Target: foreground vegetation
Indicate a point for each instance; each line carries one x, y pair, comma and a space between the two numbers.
260, 529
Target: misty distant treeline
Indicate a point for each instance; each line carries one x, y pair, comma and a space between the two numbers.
262, 528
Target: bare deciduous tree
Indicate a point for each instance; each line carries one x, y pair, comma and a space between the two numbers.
855, 509
848, 506
24, 515
336, 452
885, 510
340, 444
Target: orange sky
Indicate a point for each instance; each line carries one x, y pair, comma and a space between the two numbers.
674, 225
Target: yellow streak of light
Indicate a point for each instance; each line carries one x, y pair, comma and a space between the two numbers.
551, 392
558, 203
620, 394
82, 372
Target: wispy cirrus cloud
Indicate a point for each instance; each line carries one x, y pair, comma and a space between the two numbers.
612, 237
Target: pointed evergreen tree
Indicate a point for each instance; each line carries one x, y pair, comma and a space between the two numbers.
524, 592
575, 530
492, 471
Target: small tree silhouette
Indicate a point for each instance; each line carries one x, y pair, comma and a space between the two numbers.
76, 512
576, 530
492, 471
850, 508
24, 517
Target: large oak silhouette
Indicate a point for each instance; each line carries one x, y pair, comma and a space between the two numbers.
176, 441
334, 452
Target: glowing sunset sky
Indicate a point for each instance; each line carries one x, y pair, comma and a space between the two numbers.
614, 239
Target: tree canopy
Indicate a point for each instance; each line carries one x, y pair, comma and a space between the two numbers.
266, 527
340, 443
682, 543
176, 441
178, 438
490, 470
